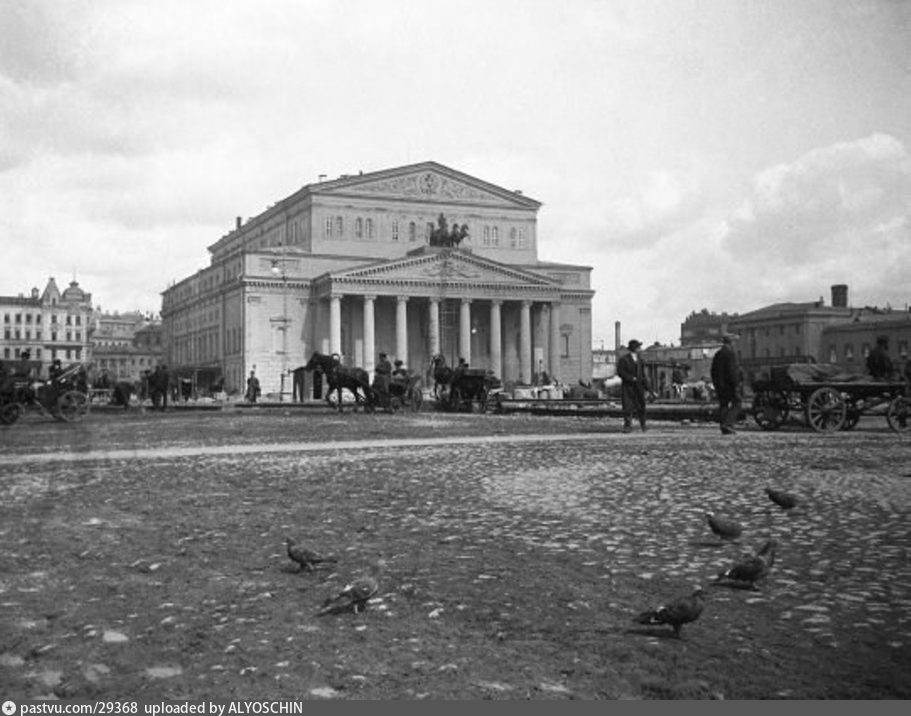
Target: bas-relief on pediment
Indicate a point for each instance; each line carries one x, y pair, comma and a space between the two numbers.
427, 185
446, 269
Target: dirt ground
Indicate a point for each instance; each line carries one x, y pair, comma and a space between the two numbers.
143, 558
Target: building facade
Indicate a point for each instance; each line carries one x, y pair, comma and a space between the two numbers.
47, 325
848, 344
124, 345
413, 261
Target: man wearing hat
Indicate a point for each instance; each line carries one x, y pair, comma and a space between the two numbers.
631, 370
879, 364
383, 372
726, 382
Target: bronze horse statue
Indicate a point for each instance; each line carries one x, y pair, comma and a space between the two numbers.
339, 376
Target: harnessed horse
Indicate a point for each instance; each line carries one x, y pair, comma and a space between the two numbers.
442, 374
339, 377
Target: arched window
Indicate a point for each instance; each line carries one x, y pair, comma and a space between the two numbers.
412, 232
512, 237
486, 239
359, 228
395, 230
495, 236
339, 226
327, 231
369, 223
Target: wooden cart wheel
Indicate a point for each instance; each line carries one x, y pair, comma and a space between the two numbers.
770, 410
852, 416
417, 399
898, 414
10, 412
72, 405
826, 410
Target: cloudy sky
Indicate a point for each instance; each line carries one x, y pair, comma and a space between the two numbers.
719, 154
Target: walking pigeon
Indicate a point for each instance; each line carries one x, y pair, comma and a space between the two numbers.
724, 528
306, 558
676, 613
354, 596
785, 500
745, 573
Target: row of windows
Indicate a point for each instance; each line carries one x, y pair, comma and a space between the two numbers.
848, 351
37, 317
334, 228
16, 335
16, 353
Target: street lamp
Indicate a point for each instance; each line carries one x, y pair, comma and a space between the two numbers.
278, 269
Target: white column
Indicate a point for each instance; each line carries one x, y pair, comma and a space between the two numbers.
465, 330
401, 329
434, 326
496, 339
555, 341
525, 369
369, 335
335, 324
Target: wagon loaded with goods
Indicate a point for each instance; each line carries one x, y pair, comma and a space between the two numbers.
827, 398
405, 391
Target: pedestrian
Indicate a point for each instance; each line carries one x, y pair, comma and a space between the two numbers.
634, 387
253, 389
879, 364
726, 384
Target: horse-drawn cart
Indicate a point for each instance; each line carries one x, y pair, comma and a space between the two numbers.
829, 400
469, 390
64, 397
404, 392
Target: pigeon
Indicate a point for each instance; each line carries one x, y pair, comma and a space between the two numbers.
306, 558
785, 500
724, 528
749, 570
676, 613
354, 596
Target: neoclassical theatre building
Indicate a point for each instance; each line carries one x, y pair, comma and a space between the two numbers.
412, 261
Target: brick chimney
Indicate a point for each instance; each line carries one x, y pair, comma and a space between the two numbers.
840, 296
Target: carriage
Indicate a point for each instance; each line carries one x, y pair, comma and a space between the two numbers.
463, 389
405, 391
828, 399
64, 397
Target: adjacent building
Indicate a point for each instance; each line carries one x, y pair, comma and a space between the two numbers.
47, 325
124, 345
413, 261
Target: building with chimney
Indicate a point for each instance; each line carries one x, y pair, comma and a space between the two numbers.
413, 261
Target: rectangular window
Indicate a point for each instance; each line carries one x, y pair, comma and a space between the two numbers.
6, 353
339, 226
565, 353
18, 318
485, 241
38, 353
28, 317
833, 354
38, 319
6, 318
412, 232
849, 352
521, 238
69, 320
369, 224
865, 351
328, 228
37, 335
395, 230
6, 334
18, 334
28, 335
53, 335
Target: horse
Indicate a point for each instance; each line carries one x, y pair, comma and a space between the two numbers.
338, 377
442, 374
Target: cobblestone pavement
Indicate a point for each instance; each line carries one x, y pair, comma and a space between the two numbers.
622, 508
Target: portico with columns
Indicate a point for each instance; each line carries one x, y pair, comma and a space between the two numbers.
445, 301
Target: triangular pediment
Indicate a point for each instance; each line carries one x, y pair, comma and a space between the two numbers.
449, 266
428, 181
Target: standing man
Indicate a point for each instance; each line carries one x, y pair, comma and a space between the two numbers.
382, 374
879, 364
726, 382
631, 370
253, 389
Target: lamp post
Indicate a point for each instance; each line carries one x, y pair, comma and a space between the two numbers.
278, 269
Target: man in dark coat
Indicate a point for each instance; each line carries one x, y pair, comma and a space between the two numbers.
879, 364
726, 382
631, 370
382, 374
